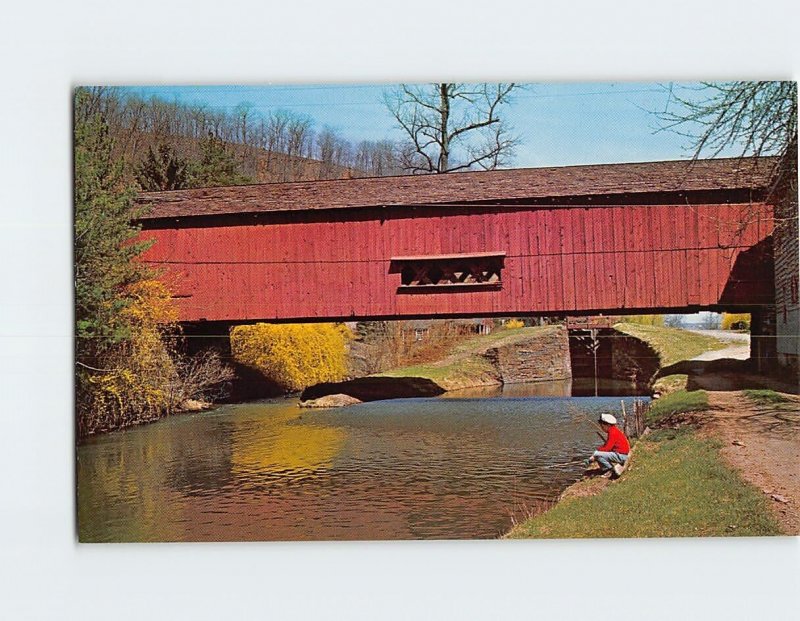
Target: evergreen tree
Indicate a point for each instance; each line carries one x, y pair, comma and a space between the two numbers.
217, 166
162, 169
105, 247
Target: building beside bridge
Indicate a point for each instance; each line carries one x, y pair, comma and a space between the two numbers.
658, 237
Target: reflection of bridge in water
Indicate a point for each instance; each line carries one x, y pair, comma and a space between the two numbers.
662, 237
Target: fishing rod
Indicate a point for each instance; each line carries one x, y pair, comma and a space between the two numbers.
581, 418
598, 429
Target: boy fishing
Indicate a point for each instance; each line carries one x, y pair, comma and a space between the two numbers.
613, 454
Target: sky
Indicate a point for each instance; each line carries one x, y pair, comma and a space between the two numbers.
558, 124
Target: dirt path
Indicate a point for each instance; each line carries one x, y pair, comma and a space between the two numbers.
763, 443
725, 335
738, 349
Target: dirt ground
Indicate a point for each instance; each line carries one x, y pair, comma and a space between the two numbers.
763, 443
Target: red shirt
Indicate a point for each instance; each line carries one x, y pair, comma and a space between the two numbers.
616, 442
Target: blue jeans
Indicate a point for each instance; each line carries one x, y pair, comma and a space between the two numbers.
608, 459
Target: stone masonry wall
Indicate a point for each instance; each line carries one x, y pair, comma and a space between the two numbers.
633, 360
541, 358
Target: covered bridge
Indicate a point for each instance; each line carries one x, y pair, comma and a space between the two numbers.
656, 237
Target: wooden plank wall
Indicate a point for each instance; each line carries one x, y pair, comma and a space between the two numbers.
559, 260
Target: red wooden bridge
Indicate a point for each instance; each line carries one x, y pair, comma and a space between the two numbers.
607, 239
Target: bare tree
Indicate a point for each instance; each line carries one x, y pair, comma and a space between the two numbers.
377, 158
673, 321
757, 118
451, 126
203, 376
326, 152
242, 113
275, 146
710, 321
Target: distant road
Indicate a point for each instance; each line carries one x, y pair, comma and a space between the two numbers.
739, 345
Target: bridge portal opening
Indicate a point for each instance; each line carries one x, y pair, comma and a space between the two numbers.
606, 362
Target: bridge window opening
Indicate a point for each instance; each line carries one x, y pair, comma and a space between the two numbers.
450, 272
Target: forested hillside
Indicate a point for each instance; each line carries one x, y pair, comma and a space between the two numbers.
131, 360
158, 139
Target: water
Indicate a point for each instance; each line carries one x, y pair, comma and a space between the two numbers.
455, 467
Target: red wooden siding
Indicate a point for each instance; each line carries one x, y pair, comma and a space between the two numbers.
559, 260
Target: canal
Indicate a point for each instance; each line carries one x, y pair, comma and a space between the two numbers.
459, 466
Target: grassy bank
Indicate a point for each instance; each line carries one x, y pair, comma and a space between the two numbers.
678, 486
672, 344
465, 364
678, 402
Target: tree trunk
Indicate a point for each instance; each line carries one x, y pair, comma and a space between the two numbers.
445, 108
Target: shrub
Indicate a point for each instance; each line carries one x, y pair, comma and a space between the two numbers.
145, 377
735, 321
134, 383
293, 355
646, 320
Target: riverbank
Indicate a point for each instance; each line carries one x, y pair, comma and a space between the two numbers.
517, 355
525, 355
493, 359
692, 476
478, 362
672, 345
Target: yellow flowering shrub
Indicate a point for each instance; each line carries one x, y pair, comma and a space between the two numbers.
136, 383
293, 355
731, 321
645, 320
512, 324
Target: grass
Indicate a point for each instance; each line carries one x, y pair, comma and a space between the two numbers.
670, 383
500, 337
453, 372
672, 344
677, 402
677, 486
765, 397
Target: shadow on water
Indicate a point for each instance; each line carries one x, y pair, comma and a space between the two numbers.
376, 388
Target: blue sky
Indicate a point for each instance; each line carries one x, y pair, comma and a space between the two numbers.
558, 123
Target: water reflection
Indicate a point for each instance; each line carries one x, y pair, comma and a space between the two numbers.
274, 446
554, 388
411, 468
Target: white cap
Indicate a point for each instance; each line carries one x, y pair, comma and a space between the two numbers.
607, 418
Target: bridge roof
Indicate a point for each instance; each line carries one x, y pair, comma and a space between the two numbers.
485, 187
